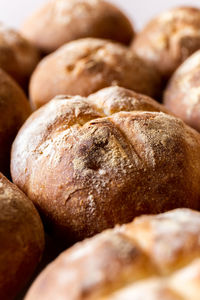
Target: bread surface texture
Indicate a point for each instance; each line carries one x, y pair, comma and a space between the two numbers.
61, 21
152, 258
14, 110
85, 66
21, 239
91, 163
169, 39
182, 95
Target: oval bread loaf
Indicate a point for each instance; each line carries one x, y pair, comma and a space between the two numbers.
61, 21
85, 66
182, 95
169, 39
21, 239
14, 110
154, 257
18, 57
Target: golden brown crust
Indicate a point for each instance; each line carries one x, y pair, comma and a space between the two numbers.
61, 21
21, 239
14, 110
17, 56
169, 39
152, 258
102, 169
85, 66
182, 95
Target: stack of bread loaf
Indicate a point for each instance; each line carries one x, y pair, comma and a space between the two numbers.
90, 148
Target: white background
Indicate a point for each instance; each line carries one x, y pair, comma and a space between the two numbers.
13, 12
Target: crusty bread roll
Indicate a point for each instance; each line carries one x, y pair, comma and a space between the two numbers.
85, 66
152, 258
14, 110
169, 39
61, 21
87, 169
17, 56
21, 239
182, 95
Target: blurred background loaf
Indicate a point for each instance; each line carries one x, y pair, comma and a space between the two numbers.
60, 21
85, 66
14, 110
170, 38
18, 57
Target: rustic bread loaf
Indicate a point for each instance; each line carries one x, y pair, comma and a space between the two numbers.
169, 39
17, 56
87, 169
14, 110
85, 66
61, 21
154, 257
21, 239
182, 95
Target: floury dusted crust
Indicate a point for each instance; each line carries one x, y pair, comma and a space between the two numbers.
104, 167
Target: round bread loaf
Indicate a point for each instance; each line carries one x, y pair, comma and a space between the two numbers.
169, 39
150, 258
14, 110
85, 66
87, 169
17, 56
21, 239
61, 21
182, 95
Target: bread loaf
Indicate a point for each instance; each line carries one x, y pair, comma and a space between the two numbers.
87, 169
169, 39
85, 66
21, 239
61, 21
14, 110
182, 95
18, 57
154, 257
